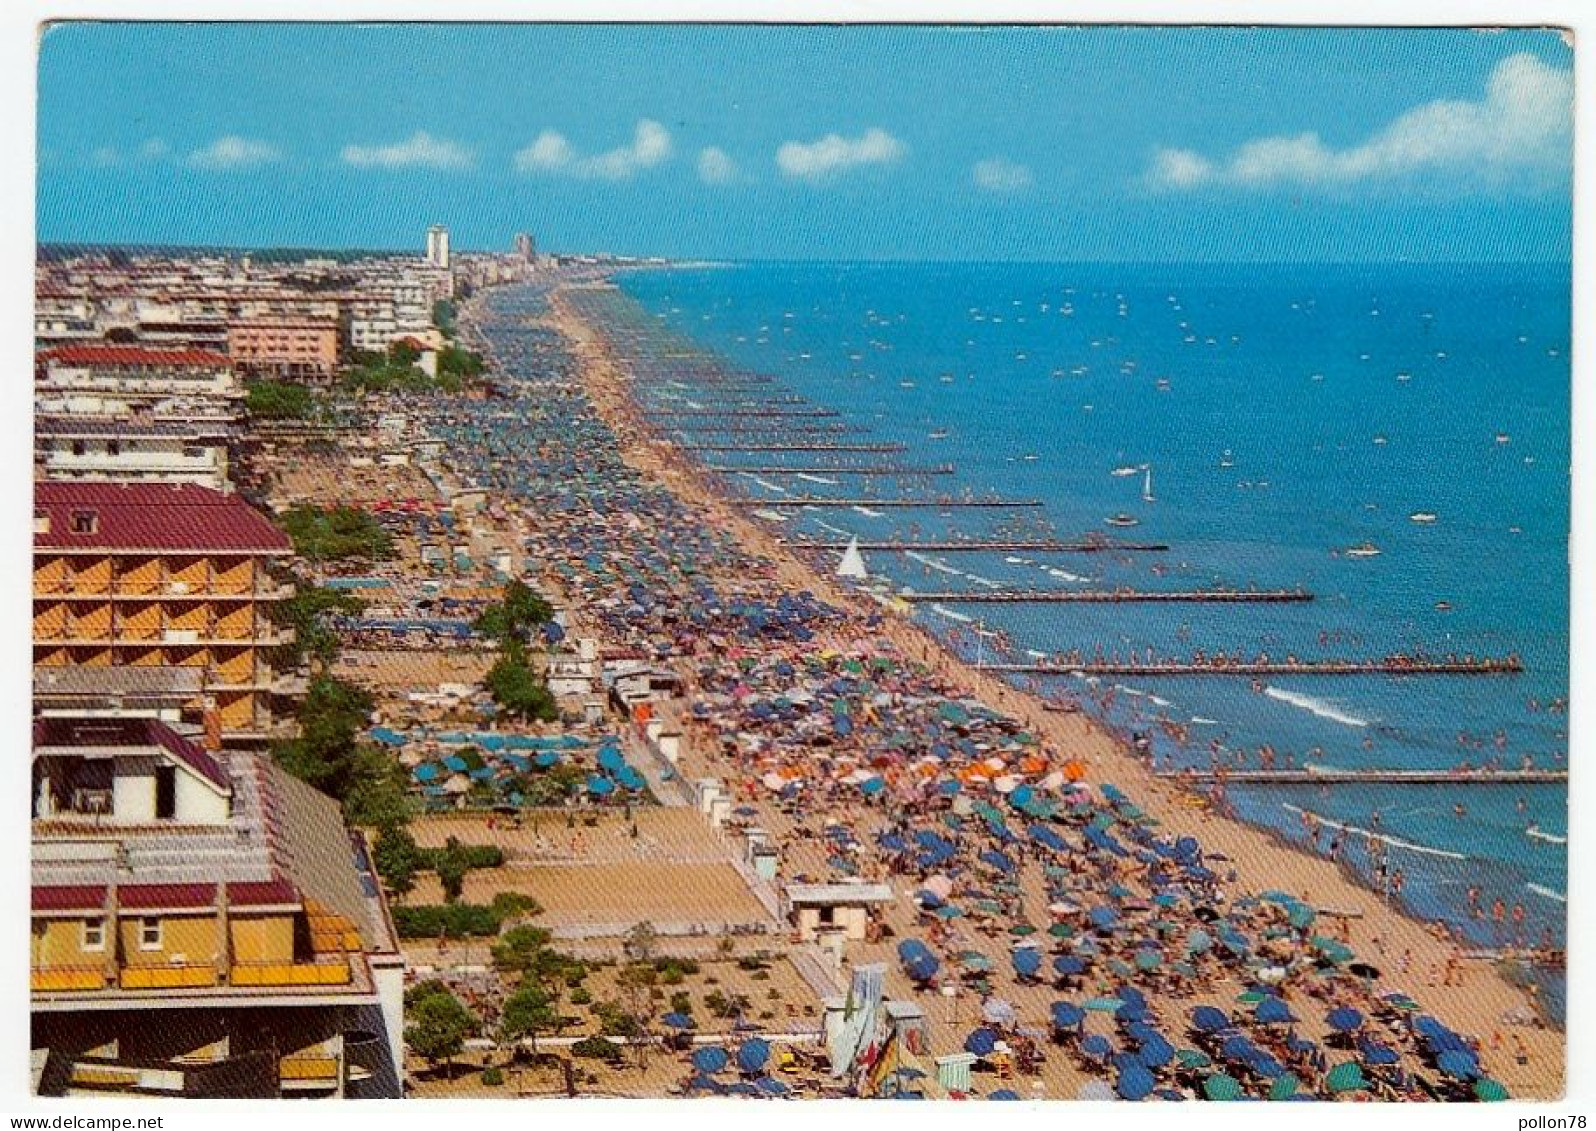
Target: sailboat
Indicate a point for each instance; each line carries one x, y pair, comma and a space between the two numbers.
852, 565
1147, 483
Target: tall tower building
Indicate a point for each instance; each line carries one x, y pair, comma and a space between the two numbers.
438, 246
526, 249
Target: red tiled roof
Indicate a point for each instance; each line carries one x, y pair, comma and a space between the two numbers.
135, 355
69, 897
267, 893
146, 896
179, 517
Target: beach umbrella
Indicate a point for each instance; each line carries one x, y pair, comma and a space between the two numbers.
981, 1042
1346, 1077
1157, 1052
1221, 1087
1027, 961
1193, 1058
703, 1083
1067, 1015
1095, 1091
1067, 965
1458, 1064
710, 1059
1284, 1087
1004, 1094
1148, 960
1207, 1019
753, 1055
1134, 1082
996, 1011
678, 1021
771, 1086
1096, 1047
1105, 1005
1103, 918
1344, 1019
1272, 1011
1379, 1054
1489, 1091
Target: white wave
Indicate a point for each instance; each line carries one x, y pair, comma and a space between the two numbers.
950, 614
817, 479
1018, 561
770, 516
867, 512
1200, 721
1062, 575
824, 525
1315, 706
1394, 842
1133, 691
1034, 654
766, 484
1157, 700
987, 581
1534, 832
933, 563
1548, 893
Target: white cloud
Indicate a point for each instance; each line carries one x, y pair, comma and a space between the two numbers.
1523, 124
715, 166
552, 153
154, 149
999, 174
234, 152
819, 160
420, 149
105, 157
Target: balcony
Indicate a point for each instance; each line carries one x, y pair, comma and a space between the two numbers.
67, 979
179, 976
278, 974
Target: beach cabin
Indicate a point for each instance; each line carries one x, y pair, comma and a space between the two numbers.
953, 1071
819, 909
907, 1022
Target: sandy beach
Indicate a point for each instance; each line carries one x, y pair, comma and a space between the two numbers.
1484, 1003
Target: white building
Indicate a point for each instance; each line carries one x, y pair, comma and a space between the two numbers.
438, 246
83, 449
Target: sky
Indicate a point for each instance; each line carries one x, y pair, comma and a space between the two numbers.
889, 143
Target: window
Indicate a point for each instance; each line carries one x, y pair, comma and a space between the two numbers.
85, 522
93, 934
78, 447
41, 522
113, 447
149, 934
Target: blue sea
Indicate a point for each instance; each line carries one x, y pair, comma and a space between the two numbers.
1277, 416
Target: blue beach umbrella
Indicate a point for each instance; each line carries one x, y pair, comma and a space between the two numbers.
1066, 1015
753, 1055
1134, 1082
1207, 1019
710, 1059
981, 1042
1004, 1094
1344, 1019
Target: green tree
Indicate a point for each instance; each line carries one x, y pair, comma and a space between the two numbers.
522, 951
325, 754
397, 859
519, 691
439, 1025
512, 618
279, 400
305, 613
376, 794
529, 1011
334, 534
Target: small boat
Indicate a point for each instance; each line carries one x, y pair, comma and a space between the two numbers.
1363, 550
1147, 484
1125, 472
1423, 518
1122, 519
1503, 438
1443, 606
1227, 460
939, 434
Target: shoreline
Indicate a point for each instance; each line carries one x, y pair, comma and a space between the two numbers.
1261, 858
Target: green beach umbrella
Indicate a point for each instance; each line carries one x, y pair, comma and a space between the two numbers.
1222, 1087
1192, 1058
1346, 1077
1283, 1088
1061, 931
1021, 930
1103, 1005
1489, 1091
1148, 960
1252, 997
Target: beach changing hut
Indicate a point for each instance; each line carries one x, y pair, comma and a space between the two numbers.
817, 909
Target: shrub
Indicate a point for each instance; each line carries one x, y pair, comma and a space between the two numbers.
493, 1076
581, 996
597, 1048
